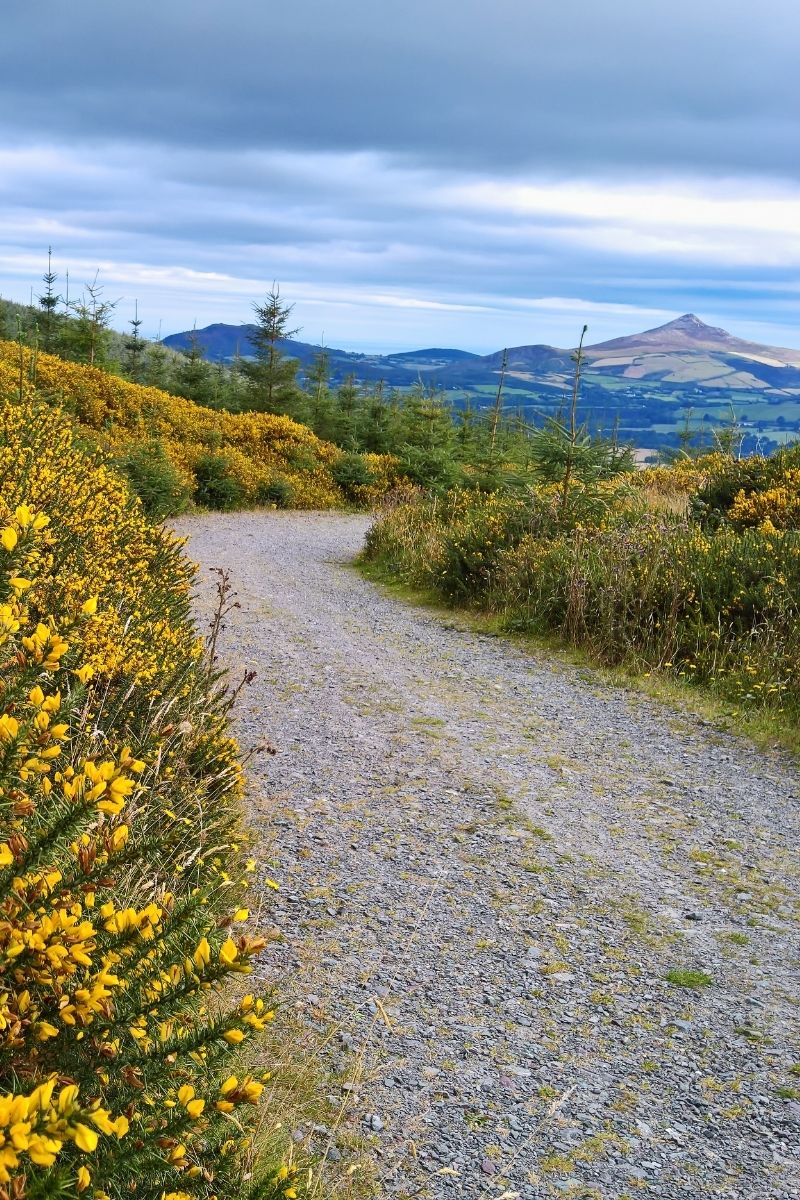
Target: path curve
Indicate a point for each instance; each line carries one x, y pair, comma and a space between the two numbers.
489, 864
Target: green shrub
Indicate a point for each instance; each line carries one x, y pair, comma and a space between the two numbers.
352, 472
278, 492
155, 480
217, 487
636, 586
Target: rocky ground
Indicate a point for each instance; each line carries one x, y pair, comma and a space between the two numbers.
553, 925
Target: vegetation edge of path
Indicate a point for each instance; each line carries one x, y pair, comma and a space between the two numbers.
765, 730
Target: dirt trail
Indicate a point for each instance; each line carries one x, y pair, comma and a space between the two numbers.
489, 866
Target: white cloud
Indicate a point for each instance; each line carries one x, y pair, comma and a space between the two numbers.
379, 252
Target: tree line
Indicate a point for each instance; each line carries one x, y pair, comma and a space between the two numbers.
439, 444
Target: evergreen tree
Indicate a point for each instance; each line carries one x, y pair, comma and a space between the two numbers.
194, 377
378, 424
346, 414
272, 376
229, 388
49, 316
320, 403
427, 452
156, 369
468, 433
135, 349
87, 337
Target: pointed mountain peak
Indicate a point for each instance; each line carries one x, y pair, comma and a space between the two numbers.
691, 324
687, 332
688, 319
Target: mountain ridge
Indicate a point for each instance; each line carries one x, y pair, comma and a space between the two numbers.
688, 332
650, 384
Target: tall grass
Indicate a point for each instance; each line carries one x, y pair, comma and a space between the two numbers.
645, 574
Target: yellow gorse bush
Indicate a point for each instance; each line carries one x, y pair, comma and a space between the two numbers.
259, 450
122, 865
102, 538
776, 508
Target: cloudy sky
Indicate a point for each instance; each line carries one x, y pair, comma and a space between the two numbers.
472, 173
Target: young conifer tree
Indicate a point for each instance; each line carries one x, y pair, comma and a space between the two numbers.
346, 417
89, 333
427, 453
156, 367
49, 316
194, 377
378, 425
271, 374
320, 404
135, 349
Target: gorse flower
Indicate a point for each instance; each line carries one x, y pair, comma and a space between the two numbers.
174, 450
122, 866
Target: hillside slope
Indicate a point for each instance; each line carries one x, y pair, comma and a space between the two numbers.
268, 458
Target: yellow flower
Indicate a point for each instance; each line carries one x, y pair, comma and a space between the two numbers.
8, 538
85, 1138
84, 1179
9, 727
89, 607
228, 953
202, 954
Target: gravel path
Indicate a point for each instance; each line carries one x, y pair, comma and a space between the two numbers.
489, 864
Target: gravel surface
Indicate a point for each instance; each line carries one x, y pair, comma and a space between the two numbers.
489, 864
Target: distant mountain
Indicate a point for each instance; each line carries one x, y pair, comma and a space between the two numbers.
689, 333
649, 383
223, 343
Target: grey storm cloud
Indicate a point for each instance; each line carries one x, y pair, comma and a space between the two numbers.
434, 170
544, 84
